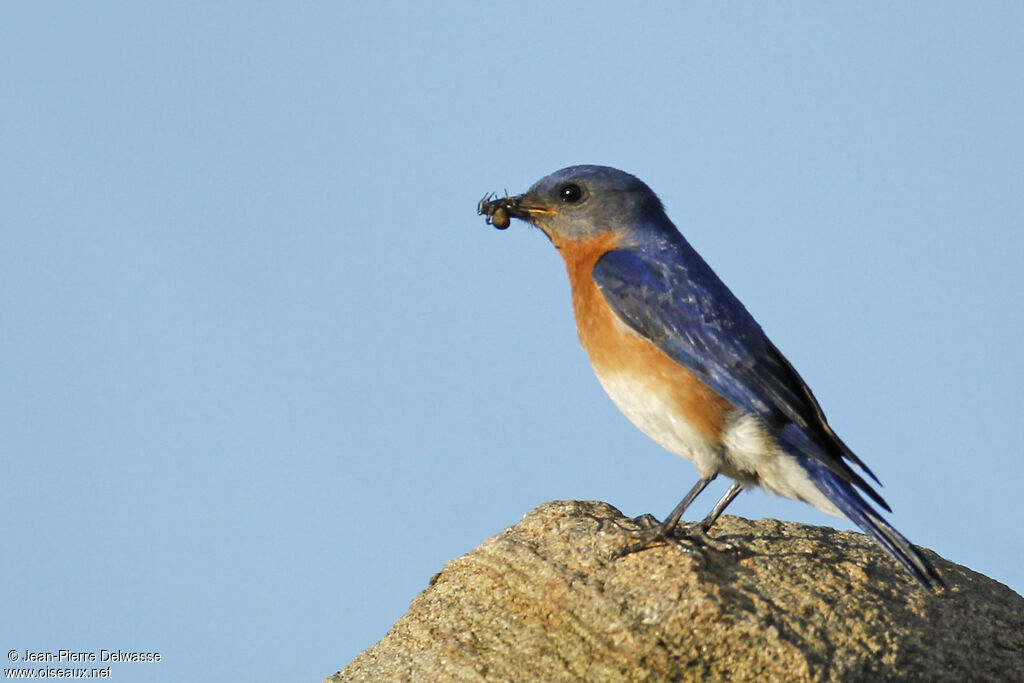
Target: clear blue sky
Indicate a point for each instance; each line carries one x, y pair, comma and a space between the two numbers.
265, 371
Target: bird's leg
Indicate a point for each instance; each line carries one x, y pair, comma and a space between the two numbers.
663, 531
699, 531
720, 506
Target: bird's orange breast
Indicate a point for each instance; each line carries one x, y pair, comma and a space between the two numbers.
616, 351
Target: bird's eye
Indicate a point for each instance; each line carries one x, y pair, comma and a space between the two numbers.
571, 193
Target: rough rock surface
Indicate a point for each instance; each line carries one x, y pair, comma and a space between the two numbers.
541, 602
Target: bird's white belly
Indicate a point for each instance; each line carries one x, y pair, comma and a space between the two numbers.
651, 409
743, 451
752, 455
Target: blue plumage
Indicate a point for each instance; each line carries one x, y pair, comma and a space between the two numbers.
673, 298
860, 512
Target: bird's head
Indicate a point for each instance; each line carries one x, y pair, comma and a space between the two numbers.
580, 203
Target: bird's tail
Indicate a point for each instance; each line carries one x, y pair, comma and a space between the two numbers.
857, 510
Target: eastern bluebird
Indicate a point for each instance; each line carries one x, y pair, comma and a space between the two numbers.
684, 360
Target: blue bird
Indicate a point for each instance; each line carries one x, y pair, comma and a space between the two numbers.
684, 360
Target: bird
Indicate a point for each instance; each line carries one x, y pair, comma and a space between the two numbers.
687, 364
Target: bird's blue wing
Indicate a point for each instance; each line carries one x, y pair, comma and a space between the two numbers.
673, 298
669, 295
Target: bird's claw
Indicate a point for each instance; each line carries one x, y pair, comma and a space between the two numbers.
653, 532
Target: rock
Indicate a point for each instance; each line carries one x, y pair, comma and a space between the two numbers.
789, 602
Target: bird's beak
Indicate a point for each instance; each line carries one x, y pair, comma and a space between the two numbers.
499, 210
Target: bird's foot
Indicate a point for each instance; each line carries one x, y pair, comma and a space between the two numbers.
687, 537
